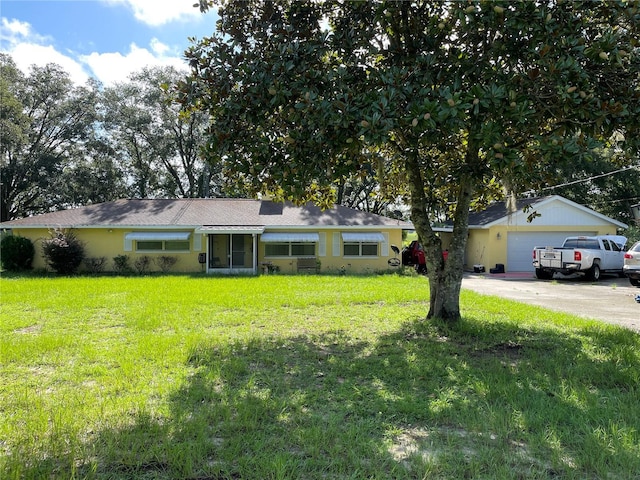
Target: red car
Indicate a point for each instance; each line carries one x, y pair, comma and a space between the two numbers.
413, 255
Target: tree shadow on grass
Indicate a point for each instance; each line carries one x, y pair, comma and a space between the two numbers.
479, 400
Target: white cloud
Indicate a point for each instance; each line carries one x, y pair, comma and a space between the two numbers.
115, 67
14, 31
158, 47
27, 48
14, 28
159, 12
27, 54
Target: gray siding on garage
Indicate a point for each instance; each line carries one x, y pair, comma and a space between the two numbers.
520, 247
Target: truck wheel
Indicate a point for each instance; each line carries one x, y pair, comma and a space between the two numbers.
635, 282
543, 274
594, 272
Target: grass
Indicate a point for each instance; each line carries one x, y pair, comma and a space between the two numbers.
311, 377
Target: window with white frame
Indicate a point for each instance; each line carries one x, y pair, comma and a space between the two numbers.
290, 244
162, 245
361, 244
290, 249
360, 249
159, 241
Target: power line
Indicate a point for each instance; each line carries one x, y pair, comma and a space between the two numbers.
619, 200
631, 167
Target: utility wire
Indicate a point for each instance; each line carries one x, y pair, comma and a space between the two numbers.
631, 167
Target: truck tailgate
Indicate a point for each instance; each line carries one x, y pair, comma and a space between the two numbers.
551, 258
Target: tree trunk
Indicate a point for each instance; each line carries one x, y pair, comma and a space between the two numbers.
445, 283
445, 278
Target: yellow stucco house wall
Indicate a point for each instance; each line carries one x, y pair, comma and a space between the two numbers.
224, 235
260, 236
109, 243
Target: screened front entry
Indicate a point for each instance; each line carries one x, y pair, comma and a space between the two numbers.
231, 252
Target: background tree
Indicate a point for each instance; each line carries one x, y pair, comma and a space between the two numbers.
375, 188
471, 98
607, 183
13, 121
46, 120
160, 146
95, 175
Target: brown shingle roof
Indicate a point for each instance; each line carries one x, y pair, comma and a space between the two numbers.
498, 210
202, 212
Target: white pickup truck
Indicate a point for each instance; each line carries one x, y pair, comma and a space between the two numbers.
586, 255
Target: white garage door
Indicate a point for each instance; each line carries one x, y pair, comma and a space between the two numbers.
520, 245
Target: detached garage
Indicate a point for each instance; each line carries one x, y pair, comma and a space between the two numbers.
497, 236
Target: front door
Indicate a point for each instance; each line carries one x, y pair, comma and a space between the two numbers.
231, 252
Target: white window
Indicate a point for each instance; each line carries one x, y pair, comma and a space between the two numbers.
360, 249
290, 244
159, 241
162, 246
362, 244
290, 249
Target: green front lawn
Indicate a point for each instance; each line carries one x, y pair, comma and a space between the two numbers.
312, 377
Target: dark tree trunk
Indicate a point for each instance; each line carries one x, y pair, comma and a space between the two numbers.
445, 282
445, 278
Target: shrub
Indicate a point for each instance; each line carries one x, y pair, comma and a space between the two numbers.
121, 264
166, 262
63, 251
142, 264
16, 253
95, 264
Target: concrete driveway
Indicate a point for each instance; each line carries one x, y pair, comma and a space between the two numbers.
612, 299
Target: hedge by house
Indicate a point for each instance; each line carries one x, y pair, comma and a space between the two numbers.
16, 253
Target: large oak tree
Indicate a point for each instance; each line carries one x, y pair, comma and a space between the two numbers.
47, 126
465, 100
160, 148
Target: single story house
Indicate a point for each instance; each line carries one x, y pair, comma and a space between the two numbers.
225, 235
498, 236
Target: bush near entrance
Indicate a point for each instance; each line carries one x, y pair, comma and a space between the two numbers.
63, 251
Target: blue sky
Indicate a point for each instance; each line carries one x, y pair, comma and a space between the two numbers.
104, 39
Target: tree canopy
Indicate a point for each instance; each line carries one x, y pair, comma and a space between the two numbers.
159, 147
64, 145
46, 121
458, 101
